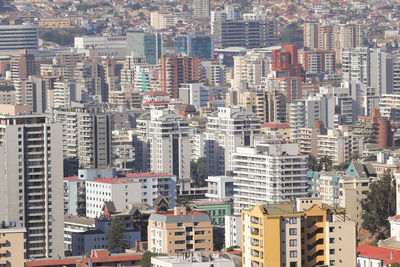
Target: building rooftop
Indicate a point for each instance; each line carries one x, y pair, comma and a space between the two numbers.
379, 253
208, 203
284, 208
111, 181
144, 175
276, 125
97, 256
170, 217
79, 220
71, 178
156, 93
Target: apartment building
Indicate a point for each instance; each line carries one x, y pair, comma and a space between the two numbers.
12, 245
154, 185
75, 224
176, 70
347, 190
273, 235
233, 230
320, 61
228, 128
389, 107
168, 142
180, 231
268, 172
338, 145
32, 183
86, 134
243, 33
250, 68
255, 101
117, 190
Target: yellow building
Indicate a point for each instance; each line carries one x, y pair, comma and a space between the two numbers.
306, 233
12, 246
180, 231
54, 22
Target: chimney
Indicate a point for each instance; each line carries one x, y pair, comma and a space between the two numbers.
391, 255
156, 208
137, 244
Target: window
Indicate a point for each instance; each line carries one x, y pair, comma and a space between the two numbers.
293, 253
179, 224
332, 251
332, 263
331, 229
292, 231
293, 242
331, 240
292, 220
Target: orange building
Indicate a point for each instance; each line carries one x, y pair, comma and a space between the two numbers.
375, 128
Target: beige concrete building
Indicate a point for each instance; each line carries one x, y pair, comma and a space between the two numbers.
347, 191
12, 246
180, 231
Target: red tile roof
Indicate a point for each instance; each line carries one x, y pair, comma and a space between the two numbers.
98, 256
379, 253
71, 178
171, 213
111, 181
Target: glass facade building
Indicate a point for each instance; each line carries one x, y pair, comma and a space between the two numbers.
144, 44
195, 45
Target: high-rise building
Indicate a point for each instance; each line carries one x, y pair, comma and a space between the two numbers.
196, 45
315, 62
201, 8
86, 135
176, 70
310, 35
18, 37
306, 233
228, 128
144, 44
163, 143
32, 191
22, 65
248, 34
262, 163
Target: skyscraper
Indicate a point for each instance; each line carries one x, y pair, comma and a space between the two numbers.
31, 189
22, 65
144, 44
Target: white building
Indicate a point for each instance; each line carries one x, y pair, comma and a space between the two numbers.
169, 142
272, 172
219, 188
195, 94
154, 185
227, 129
75, 224
113, 46
196, 260
233, 230
389, 106
119, 191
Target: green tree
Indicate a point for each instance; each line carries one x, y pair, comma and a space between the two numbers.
198, 172
116, 236
326, 163
342, 166
370, 158
292, 34
312, 163
379, 205
395, 264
